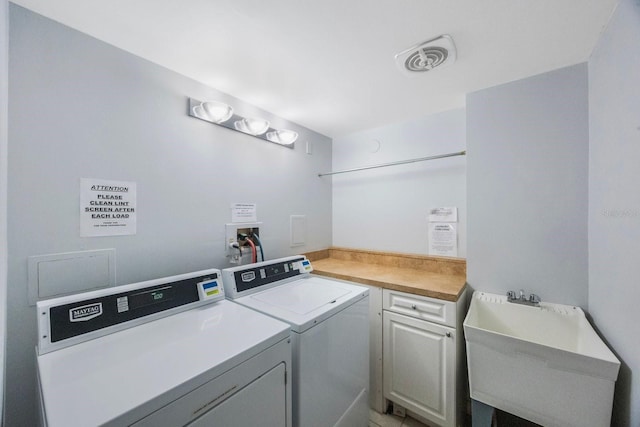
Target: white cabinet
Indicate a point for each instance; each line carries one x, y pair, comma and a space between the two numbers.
422, 355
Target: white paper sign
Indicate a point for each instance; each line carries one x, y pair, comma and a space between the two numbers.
443, 215
443, 239
244, 212
107, 208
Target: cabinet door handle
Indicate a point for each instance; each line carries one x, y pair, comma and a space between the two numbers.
449, 334
414, 307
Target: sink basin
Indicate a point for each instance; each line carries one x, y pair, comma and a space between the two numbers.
545, 364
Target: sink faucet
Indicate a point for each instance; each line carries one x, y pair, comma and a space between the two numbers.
533, 300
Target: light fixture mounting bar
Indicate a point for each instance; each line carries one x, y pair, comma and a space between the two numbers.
239, 123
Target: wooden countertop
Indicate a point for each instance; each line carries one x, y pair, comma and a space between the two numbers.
421, 275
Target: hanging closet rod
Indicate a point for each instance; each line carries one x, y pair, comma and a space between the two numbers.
402, 162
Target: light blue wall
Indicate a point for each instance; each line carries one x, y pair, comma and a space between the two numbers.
386, 209
614, 200
4, 92
82, 108
527, 186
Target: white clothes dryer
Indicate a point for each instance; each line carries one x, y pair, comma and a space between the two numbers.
166, 352
329, 323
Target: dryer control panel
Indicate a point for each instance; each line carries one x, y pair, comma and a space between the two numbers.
246, 279
76, 318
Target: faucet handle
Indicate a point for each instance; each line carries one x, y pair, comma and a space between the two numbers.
511, 295
535, 299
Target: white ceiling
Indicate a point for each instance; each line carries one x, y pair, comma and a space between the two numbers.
329, 64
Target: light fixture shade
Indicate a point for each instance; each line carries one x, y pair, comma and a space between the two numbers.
217, 112
283, 136
252, 126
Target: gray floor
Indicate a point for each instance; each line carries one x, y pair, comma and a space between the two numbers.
377, 419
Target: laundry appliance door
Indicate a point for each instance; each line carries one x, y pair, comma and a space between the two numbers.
266, 408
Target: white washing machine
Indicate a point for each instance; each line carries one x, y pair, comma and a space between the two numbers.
329, 322
166, 352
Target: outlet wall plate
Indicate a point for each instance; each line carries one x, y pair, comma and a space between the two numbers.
399, 411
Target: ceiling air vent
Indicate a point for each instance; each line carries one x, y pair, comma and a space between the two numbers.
428, 55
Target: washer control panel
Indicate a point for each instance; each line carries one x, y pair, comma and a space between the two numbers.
76, 318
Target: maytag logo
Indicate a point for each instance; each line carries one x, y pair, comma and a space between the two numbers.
86, 312
248, 276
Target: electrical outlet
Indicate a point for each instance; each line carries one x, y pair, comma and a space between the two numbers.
399, 411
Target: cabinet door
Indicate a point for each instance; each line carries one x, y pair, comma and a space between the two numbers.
419, 367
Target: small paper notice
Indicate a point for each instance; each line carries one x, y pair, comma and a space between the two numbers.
443, 239
443, 231
243, 212
443, 215
107, 208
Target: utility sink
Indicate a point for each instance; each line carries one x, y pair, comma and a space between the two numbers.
543, 363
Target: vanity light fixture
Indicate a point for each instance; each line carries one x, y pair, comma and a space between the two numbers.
282, 137
217, 111
251, 125
223, 115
